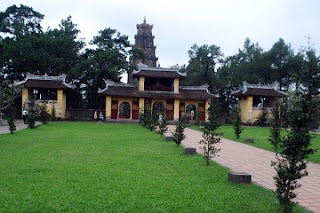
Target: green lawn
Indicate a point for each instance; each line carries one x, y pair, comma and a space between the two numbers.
261, 135
87, 167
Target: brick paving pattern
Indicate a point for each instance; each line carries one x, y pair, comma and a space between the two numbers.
244, 158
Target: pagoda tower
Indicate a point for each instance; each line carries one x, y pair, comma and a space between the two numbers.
146, 50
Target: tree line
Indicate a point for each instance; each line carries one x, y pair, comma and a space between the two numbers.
26, 47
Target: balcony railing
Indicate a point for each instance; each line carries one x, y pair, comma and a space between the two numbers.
158, 88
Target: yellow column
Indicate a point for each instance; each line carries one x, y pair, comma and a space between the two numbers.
141, 104
176, 109
24, 98
108, 107
207, 109
249, 108
141, 83
176, 85
61, 104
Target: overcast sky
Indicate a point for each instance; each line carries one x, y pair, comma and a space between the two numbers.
177, 25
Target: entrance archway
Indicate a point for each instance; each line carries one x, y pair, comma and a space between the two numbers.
191, 111
124, 110
158, 107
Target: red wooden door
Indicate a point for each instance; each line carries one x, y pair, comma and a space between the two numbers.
169, 113
135, 110
114, 110
202, 111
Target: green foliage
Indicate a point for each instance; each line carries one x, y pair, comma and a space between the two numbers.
53, 113
142, 120
275, 127
8, 93
11, 119
202, 65
31, 115
237, 122
44, 116
262, 118
209, 149
153, 121
163, 125
21, 20
209, 133
293, 149
178, 133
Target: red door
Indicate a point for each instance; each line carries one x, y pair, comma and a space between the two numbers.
114, 110
135, 110
169, 113
202, 111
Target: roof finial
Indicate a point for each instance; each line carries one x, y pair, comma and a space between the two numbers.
144, 20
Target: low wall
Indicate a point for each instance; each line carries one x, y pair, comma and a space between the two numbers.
82, 114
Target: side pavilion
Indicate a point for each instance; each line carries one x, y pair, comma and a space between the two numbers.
253, 98
51, 90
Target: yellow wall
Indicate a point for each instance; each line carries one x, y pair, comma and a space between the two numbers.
207, 109
108, 107
176, 85
59, 104
24, 98
176, 109
141, 83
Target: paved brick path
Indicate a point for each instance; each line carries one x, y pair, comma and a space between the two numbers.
244, 158
19, 125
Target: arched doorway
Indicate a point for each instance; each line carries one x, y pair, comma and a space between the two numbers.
158, 107
191, 111
124, 110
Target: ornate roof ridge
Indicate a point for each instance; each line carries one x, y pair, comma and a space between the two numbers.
273, 86
142, 67
45, 77
109, 82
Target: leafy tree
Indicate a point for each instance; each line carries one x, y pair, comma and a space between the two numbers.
262, 118
293, 149
209, 135
19, 30
32, 115
202, 65
178, 134
106, 61
275, 126
280, 56
237, 122
8, 93
209, 149
44, 115
163, 125
17, 21
142, 120
53, 113
11, 119
153, 121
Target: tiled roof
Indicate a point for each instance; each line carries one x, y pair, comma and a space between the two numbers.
258, 90
158, 72
118, 89
46, 82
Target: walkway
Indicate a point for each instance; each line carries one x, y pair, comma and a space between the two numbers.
4, 128
244, 158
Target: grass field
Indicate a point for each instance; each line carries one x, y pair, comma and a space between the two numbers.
87, 167
261, 135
